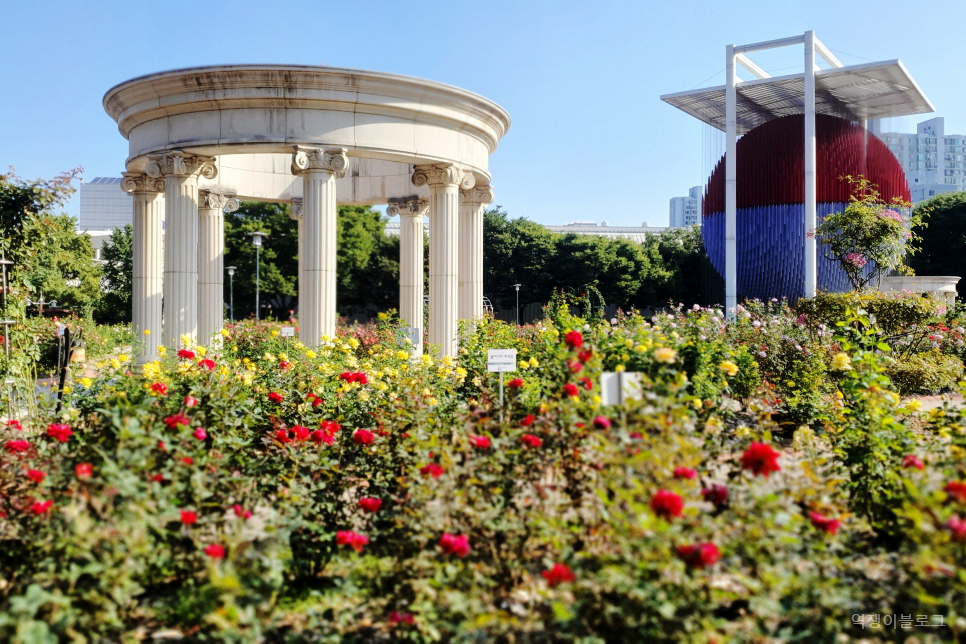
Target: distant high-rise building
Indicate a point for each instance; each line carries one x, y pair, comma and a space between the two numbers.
932, 160
103, 205
686, 211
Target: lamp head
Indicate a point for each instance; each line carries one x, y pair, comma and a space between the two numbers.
231, 271
517, 287
257, 238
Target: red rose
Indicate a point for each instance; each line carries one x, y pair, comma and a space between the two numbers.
370, 504
432, 469
159, 388
352, 539
320, 436
16, 446
200, 433
241, 512
207, 364
516, 383
527, 420
574, 366
699, 555
276, 397
684, 473
911, 460
301, 433
570, 389
284, 364
956, 490
188, 517
602, 422
716, 494
586, 382
187, 460
452, 544
59, 432
363, 437
215, 551
190, 401
157, 478
480, 442
573, 339
559, 574
84, 471
281, 435
185, 353
531, 441
958, 527
395, 617
40, 507
36, 476
585, 355
330, 426
178, 419
13, 423
826, 524
667, 505
760, 458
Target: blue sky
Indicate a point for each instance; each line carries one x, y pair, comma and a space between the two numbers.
590, 138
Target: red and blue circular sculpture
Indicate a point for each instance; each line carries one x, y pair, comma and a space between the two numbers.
771, 201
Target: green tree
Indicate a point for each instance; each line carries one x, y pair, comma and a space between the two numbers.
118, 278
368, 263
517, 251
943, 243
678, 258
870, 237
51, 261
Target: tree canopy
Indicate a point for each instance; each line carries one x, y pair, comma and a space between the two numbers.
943, 242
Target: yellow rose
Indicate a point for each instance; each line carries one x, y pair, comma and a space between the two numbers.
87, 382
310, 354
186, 340
274, 333
353, 343
842, 362
729, 368
402, 355
619, 368
147, 332
224, 333
201, 351
533, 362
666, 355
115, 363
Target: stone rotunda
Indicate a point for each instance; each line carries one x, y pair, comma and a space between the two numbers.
202, 139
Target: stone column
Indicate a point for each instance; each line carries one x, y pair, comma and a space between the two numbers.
317, 239
444, 183
148, 262
180, 172
211, 261
472, 204
411, 213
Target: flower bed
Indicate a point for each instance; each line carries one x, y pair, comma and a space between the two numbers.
767, 484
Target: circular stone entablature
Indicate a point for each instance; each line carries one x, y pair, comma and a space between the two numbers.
267, 110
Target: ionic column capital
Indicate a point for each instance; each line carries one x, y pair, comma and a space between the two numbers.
306, 159
295, 210
179, 164
412, 207
478, 196
213, 199
137, 183
445, 175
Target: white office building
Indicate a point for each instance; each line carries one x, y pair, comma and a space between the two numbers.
103, 205
932, 159
686, 211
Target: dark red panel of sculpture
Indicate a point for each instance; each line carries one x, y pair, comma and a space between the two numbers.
771, 164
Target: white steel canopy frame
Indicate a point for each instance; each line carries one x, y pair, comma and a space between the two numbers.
857, 92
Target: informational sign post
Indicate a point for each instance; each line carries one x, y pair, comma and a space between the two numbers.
500, 361
287, 332
616, 387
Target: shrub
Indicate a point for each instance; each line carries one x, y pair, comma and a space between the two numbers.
926, 373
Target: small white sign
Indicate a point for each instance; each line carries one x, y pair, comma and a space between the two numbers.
616, 387
413, 333
287, 332
500, 360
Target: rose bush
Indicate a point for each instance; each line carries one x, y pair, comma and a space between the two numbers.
264, 491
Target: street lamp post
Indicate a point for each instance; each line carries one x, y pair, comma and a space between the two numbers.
257, 242
231, 293
517, 287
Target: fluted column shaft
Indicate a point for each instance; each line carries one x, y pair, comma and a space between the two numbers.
180, 172
147, 262
444, 183
317, 258
211, 261
472, 204
411, 213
